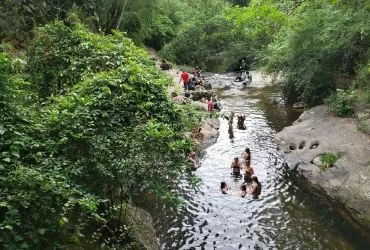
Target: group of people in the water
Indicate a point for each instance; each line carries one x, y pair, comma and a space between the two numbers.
255, 187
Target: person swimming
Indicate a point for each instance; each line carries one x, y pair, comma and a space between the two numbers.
224, 187
249, 171
243, 190
236, 166
256, 188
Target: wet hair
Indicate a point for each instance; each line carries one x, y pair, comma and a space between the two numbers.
247, 72
255, 179
223, 185
236, 159
243, 187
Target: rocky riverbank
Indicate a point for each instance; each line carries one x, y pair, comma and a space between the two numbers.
347, 181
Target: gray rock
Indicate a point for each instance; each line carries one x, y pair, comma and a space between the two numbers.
348, 181
198, 95
210, 129
207, 86
298, 105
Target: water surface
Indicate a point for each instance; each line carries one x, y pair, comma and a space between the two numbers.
286, 216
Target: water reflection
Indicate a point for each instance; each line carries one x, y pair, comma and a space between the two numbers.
286, 216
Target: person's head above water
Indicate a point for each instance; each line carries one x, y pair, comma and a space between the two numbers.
236, 159
255, 179
223, 185
247, 150
243, 188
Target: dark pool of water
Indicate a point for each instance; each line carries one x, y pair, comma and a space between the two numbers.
286, 216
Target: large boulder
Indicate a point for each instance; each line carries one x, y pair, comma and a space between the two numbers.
198, 95
207, 86
316, 132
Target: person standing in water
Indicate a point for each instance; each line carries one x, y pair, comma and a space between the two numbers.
249, 171
224, 187
247, 155
256, 188
236, 166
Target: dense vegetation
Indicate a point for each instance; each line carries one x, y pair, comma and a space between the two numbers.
87, 126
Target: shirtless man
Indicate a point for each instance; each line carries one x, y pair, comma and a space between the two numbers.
236, 166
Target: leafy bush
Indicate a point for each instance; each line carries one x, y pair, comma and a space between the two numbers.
340, 103
328, 160
70, 165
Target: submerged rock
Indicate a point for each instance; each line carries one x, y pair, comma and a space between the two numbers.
348, 181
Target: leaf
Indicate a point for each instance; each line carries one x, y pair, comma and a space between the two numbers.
47, 187
9, 227
18, 238
24, 246
6, 159
16, 154
2, 131
41, 231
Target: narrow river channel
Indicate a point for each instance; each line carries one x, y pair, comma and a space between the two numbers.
288, 215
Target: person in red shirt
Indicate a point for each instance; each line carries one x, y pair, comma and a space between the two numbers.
210, 105
185, 78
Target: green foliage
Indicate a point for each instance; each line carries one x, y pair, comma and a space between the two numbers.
105, 130
341, 103
328, 160
320, 48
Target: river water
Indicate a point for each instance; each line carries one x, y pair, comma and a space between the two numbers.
287, 215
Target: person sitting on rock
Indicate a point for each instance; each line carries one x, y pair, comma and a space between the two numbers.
242, 77
216, 103
191, 158
187, 95
249, 77
224, 187
236, 166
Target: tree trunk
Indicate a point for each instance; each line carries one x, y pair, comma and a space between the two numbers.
121, 16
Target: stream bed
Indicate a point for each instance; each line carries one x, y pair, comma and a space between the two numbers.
287, 215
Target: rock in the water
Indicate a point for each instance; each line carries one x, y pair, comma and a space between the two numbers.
319, 132
207, 86
198, 95
298, 105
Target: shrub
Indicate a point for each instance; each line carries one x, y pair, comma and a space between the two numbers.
340, 102
328, 160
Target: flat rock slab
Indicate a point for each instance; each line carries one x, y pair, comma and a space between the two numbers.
317, 131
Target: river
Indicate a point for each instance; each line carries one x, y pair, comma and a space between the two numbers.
287, 215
